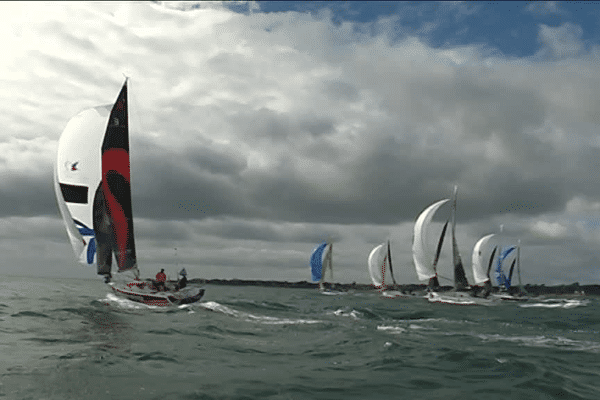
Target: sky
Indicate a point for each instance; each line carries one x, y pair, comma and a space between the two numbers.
260, 129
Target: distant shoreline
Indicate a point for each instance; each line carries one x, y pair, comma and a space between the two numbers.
535, 290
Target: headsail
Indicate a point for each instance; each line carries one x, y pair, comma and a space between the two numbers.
422, 256
377, 262
480, 273
77, 174
92, 186
316, 263
501, 278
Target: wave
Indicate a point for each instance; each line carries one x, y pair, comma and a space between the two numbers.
263, 319
557, 303
557, 342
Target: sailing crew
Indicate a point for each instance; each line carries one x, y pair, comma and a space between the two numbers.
183, 281
160, 280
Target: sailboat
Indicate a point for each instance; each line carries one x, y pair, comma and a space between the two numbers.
481, 272
424, 259
92, 187
504, 281
426, 265
321, 261
379, 261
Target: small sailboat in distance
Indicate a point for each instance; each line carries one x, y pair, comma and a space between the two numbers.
380, 261
481, 271
93, 192
321, 262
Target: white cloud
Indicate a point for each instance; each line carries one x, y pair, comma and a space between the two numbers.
553, 230
561, 42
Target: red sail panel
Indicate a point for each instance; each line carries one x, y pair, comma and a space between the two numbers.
116, 183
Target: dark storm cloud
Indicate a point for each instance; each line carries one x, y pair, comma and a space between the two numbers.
23, 195
196, 183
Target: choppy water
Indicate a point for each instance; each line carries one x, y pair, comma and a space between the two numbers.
71, 339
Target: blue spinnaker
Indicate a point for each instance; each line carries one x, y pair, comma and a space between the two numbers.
316, 262
500, 277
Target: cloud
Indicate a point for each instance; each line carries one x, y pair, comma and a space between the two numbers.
560, 42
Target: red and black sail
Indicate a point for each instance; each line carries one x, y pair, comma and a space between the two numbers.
113, 217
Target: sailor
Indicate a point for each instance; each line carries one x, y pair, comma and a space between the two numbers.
160, 280
183, 281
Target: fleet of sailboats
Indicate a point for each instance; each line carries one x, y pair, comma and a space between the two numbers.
92, 185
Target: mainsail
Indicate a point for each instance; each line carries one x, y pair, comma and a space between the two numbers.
422, 255
460, 279
92, 186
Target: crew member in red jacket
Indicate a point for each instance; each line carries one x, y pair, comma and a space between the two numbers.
160, 280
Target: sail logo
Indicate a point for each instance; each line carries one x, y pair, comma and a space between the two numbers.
72, 166
91, 245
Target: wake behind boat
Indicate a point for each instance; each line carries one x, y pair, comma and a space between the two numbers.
92, 186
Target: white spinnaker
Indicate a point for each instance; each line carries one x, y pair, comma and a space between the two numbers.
375, 263
480, 264
422, 255
78, 163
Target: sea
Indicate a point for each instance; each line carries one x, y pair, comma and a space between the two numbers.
72, 339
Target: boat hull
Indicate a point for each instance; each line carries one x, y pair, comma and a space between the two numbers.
141, 292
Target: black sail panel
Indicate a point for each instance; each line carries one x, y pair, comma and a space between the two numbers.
104, 235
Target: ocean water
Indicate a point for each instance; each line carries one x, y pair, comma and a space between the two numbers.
72, 339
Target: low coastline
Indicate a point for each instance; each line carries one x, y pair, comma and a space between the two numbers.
533, 290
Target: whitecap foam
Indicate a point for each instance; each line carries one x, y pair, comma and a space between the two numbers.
344, 313
391, 329
557, 303
544, 341
263, 319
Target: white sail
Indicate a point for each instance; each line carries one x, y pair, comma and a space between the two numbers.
376, 264
480, 264
328, 262
422, 254
77, 174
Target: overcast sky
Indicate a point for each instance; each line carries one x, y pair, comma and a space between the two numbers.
259, 130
